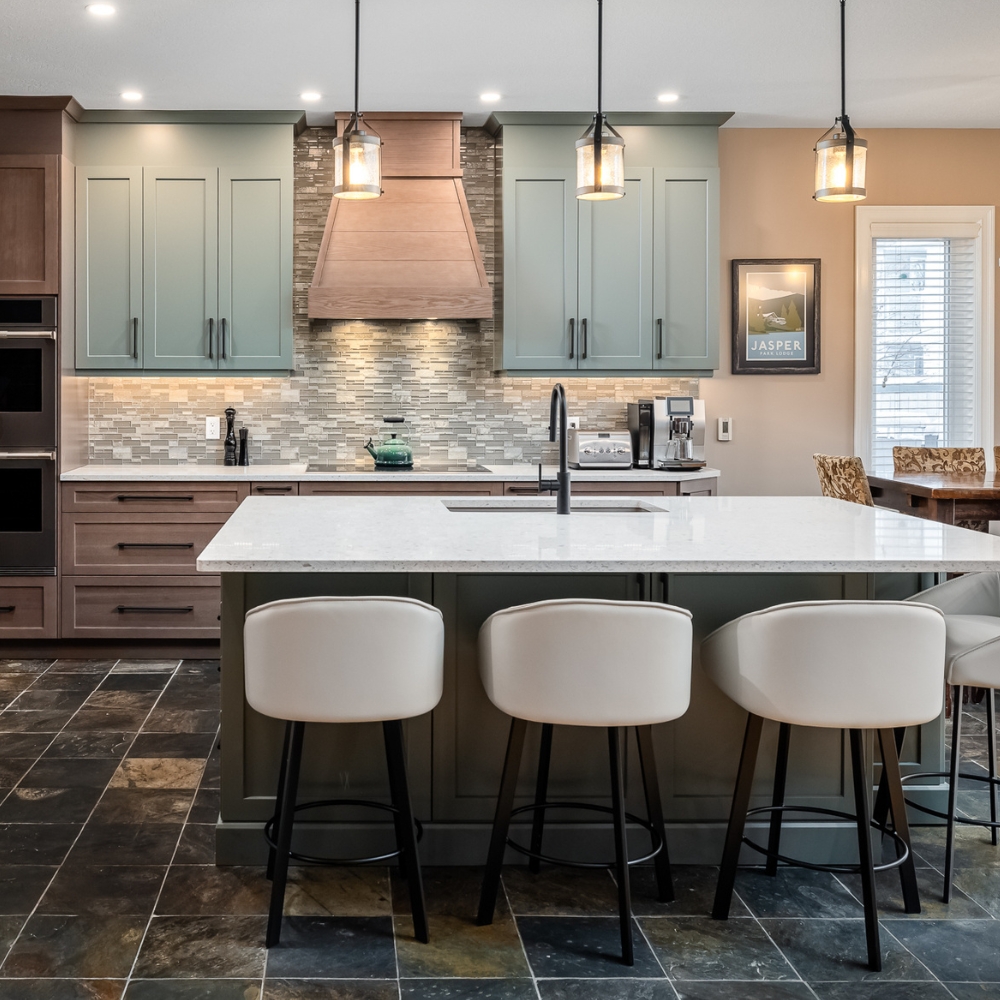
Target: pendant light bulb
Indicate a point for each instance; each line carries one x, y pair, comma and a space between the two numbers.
841, 156
600, 151
357, 154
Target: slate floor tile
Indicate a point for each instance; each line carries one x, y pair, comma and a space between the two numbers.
49, 698
109, 745
103, 890
143, 805
176, 720
36, 721
193, 989
202, 948
109, 698
880, 991
560, 891
474, 989
930, 884
574, 947
12, 769
954, 950
81, 666
65, 682
207, 889
21, 886
974, 991
10, 927
331, 989
61, 989
158, 772
206, 807
26, 844
197, 845
694, 893
980, 884
835, 951
49, 805
743, 991
79, 772
105, 720
134, 682
601, 989
795, 892
333, 948
973, 848
75, 947
703, 948
338, 892
145, 666
173, 745
128, 844
24, 745
25, 666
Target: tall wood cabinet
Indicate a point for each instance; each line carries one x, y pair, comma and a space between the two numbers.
29, 224
613, 287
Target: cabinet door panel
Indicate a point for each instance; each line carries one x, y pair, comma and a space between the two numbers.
255, 290
29, 226
180, 268
686, 268
108, 267
540, 238
615, 305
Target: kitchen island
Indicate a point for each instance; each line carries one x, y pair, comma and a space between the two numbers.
470, 556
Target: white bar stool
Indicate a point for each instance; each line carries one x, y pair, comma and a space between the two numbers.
343, 659
971, 606
852, 665
611, 664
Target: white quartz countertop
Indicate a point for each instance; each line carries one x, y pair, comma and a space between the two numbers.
525, 535
138, 472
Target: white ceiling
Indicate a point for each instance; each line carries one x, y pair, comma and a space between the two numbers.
773, 62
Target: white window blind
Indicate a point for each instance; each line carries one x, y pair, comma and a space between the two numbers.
924, 344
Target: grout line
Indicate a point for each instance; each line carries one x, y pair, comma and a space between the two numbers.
916, 958
392, 924
520, 940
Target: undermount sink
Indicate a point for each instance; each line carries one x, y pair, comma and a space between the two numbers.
580, 507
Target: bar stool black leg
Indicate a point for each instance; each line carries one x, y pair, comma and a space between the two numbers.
621, 843
900, 821
396, 759
991, 723
880, 811
284, 836
737, 818
956, 760
778, 797
654, 810
501, 822
541, 792
278, 797
861, 793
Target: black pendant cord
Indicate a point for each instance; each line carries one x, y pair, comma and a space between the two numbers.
845, 122
599, 120
357, 49
843, 65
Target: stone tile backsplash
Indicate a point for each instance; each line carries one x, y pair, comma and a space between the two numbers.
438, 375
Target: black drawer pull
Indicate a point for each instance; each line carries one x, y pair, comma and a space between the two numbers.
156, 545
124, 609
272, 489
525, 490
122, 497
8, 610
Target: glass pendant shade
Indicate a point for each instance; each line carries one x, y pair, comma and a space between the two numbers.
831, 168
609, 181
357, 164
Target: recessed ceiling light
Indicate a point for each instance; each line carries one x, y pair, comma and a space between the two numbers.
310, 95
668, 98
489, 97
131, 95
100, 9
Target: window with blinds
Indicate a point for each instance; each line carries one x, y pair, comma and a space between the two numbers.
924, 332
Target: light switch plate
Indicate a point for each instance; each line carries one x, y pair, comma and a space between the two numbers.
725, 432
212, 430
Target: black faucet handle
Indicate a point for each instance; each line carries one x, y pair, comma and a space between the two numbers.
546, 485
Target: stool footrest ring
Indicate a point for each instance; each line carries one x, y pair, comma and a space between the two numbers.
989, 824
657, 840
311, 859
835, 869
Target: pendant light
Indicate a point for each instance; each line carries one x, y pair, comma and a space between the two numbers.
357, 155
840, 155
600, 151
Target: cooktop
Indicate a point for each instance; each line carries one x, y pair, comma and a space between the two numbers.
417, 466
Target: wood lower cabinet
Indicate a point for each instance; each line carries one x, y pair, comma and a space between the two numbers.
654, 488
153, 498
411, 488
28, 607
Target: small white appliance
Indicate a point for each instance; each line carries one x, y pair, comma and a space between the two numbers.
599, 449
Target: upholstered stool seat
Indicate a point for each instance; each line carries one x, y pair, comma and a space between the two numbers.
339, 660
608, 664
852, 665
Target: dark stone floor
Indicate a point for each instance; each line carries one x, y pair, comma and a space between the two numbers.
109, 780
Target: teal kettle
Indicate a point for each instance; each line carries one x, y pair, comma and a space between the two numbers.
393, 452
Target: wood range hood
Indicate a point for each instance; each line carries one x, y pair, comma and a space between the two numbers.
412, 253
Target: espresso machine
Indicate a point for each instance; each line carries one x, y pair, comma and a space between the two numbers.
668, 432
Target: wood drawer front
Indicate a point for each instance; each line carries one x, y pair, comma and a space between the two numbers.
139, 607
356, 489
28, 607
153, 498
275, 489
135, 543
699, 488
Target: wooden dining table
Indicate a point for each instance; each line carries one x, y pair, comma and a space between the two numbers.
951, 499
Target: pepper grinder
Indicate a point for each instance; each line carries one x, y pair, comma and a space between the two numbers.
230, 451
244, 451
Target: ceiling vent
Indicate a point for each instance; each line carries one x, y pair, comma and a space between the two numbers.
411, 254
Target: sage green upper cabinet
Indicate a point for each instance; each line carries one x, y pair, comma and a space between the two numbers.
686, 268
109, 267
255, 271
180, 268
627, 286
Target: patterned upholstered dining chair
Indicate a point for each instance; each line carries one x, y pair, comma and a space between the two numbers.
957, 461
843, 478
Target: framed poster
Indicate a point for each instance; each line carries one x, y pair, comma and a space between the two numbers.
776, 317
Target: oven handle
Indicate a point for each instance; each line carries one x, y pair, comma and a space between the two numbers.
50, 455
27, 334
8, 610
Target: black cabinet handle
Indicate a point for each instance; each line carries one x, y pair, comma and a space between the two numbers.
516, 490
572, 336
222, 339
272, 489
659, 339
156, 545
583, 333
135, 338
641, 581
211, 330
124, 609
8, 610
123, 497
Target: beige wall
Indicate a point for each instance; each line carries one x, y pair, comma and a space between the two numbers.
768, 211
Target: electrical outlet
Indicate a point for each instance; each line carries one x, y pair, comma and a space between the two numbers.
725, 432
212, 430
573, 422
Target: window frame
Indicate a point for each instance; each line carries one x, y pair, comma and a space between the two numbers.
930, 222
